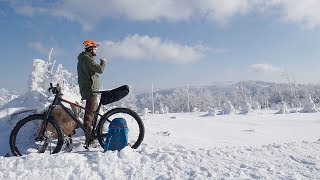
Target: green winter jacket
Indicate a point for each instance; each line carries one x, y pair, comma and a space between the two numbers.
88, 77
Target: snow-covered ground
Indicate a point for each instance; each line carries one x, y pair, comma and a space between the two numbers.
258, 145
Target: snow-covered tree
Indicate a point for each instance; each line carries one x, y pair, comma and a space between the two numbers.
245, 108
41, 76
145, 111
256, 105
283, 109
211, 112
309, 106
67, 81
166, 109
228, 108
195, 109
243, 102
163, 109
267, 94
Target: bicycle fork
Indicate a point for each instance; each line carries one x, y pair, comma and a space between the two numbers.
43, 135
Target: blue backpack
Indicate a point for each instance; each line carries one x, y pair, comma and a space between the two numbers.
117, 137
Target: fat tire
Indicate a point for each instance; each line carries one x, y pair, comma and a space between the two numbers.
12, 141
104, 119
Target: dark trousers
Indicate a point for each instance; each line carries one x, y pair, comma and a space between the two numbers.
91, 105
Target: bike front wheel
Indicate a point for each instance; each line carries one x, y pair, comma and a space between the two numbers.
31, 135
134, 123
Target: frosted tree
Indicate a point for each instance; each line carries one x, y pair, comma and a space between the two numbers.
195, 109
40, 76
50, 62
267, 94
283, 109
166, 109
309, 106
163, 109
218, 96
67, 81
158, 102
228, 108
129, 101
245, 108
202, 99
294, 99
177, 100
145, 111
256, 105
211, 112
39, 81
144, 102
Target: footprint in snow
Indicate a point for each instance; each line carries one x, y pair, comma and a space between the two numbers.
164, 133
249, 130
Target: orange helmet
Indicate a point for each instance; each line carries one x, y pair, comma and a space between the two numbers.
89, 43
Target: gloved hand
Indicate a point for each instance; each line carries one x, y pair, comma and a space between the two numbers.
103, 60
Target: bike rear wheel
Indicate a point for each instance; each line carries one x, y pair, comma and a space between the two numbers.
134, 123
30, 135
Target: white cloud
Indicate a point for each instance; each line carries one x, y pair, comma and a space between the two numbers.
265, 68
222, 11
40, 48
304, 12
136, 47
87, 13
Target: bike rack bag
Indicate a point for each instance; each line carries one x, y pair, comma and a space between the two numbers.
114, 94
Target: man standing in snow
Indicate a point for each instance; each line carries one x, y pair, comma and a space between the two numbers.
88, 79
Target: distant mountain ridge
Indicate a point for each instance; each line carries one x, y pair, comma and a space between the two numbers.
6, 96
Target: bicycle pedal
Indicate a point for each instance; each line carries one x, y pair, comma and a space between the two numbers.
86, 147
94, 145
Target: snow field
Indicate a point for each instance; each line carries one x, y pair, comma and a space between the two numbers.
258, 145
274, 161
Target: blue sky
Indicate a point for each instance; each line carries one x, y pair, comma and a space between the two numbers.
167, 43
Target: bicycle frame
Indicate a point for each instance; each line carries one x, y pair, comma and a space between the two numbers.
58, 101
48, 136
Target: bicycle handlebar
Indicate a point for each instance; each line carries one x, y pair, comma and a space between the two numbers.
54, 90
